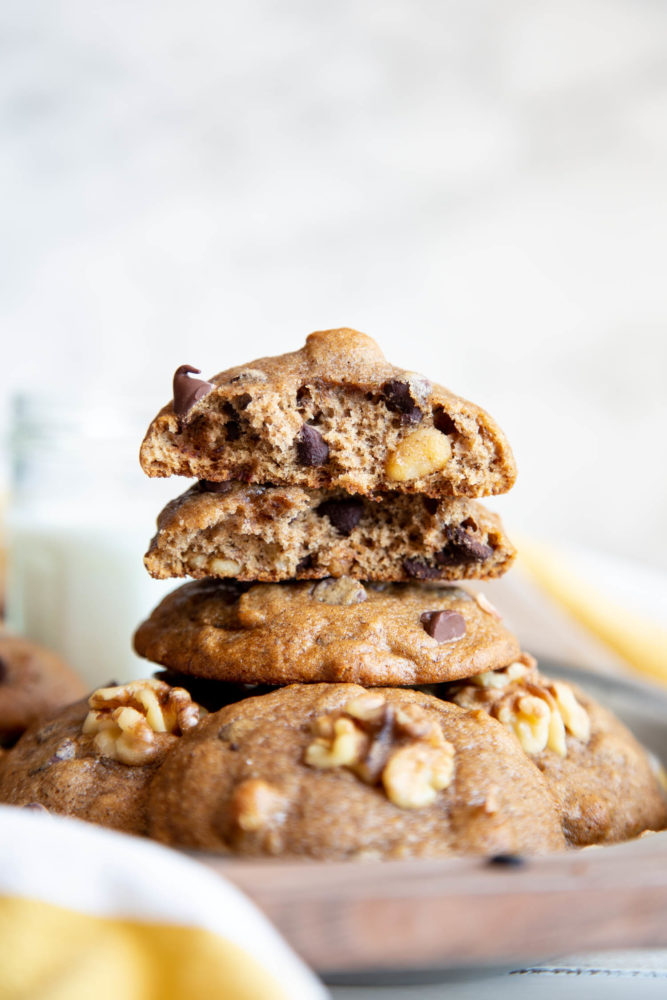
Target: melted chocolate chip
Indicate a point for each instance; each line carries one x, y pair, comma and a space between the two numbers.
462, 546
398, 399
305, 563
208, 486
419, 570
187, 391
431, 504
443, 422
343, 514
443, 626
311, 448
4, 670
233, 430
507, 860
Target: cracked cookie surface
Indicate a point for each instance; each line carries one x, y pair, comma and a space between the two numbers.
333, 414
419, 778
331, 630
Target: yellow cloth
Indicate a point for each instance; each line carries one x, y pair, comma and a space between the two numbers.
637, 638
90, 914
51, 953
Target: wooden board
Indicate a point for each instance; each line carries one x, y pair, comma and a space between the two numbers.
461, 913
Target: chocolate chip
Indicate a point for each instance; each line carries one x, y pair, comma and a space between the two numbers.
305, 563
233, 430
4, 670
443, 422
398, 398
208, 486
462, 546
431, 504
187, 391
507, 860
419, 570
343, 514
311, 448
443, 626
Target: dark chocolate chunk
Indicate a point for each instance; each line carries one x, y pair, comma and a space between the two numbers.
507, 860
311, 448
420, 570
233, 430
398, 398
462, 546
443, 626
4, 670
208, 486
431, 504
187, 391
343, 514
305, 563
443, 422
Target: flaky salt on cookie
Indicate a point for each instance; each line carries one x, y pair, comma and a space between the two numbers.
334, 414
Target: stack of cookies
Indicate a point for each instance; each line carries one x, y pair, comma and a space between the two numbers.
358, 701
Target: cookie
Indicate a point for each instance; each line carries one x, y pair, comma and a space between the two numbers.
333, 771
332, 630
601, 778
273, 533
334, 414
95, 758
33, 683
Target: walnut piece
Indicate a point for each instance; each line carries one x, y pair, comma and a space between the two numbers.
255, 803
542, 714
132, 722
343, 591
421, 453
401, 747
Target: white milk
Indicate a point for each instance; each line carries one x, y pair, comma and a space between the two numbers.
80, 588
80, 519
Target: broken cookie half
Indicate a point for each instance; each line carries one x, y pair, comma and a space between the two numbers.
334, 414
273, 533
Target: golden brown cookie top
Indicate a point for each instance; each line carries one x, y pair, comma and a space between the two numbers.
94, 759
336, 771
602, 779
332, 630
333, 414
34, 682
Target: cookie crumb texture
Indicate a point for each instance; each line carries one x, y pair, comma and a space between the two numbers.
438, 781
273, 533
336, 630
333, 414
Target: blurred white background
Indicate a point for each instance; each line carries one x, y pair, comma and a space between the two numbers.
480, 186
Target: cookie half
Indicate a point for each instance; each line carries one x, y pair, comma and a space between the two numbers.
34, 682
95, 758
601, 778
273, 533
334, 771
333, 630
334, 414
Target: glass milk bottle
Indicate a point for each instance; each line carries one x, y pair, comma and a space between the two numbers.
80, 518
